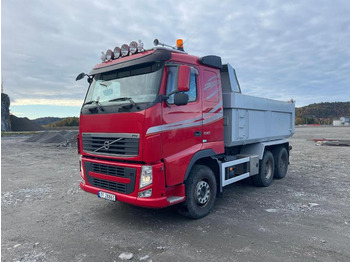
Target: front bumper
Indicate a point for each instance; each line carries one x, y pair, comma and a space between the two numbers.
160, 194
150, 202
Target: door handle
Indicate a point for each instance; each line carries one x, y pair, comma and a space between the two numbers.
197, 133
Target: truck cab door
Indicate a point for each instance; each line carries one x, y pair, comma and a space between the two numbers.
182, 127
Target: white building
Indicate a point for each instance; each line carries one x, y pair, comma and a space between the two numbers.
343, 121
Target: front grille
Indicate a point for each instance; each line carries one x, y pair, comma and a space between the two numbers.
126, 145
110, 185
110, 170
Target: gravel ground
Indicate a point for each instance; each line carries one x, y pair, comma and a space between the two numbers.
304, 217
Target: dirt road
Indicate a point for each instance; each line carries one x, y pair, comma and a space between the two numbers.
304, 217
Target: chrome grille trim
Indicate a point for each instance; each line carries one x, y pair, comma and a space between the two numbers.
111, 144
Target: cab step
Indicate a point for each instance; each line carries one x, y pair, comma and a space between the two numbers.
175, 199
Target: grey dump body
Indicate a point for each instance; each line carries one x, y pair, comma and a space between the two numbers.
250, 119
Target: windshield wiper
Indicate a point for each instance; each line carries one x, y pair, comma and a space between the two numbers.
125, 99
95, 102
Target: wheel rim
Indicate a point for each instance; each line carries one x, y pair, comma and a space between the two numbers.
202, 194
268, 169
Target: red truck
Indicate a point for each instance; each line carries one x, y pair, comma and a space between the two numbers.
161, 127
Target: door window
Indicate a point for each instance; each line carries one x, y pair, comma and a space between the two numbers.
171, 84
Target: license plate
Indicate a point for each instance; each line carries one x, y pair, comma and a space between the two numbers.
106, 196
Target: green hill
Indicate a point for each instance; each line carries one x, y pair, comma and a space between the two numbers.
68, 121
42, 121
321, 113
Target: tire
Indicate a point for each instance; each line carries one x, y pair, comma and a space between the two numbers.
266, 171
281, 161
201, 189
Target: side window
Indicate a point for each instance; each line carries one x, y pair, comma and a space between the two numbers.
192, 93
170, 86
171, 82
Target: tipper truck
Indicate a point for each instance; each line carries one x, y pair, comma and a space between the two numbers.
161, 127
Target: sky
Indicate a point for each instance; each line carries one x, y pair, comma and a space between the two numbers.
280, 49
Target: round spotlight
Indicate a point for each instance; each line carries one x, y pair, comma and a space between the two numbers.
125, 50
156, 42
133, 47
109, 55
117, 53
103, 56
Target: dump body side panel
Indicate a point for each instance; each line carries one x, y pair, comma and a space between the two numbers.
249, 119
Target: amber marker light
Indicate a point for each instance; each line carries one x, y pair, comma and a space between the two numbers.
180, 44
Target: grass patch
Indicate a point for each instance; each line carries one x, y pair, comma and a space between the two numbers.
19, 133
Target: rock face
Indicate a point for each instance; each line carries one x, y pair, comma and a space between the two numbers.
5, 113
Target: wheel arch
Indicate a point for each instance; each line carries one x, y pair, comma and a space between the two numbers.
204, 157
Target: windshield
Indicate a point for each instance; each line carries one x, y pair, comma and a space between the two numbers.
139, 83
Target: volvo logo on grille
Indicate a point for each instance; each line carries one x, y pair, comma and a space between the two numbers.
106, 145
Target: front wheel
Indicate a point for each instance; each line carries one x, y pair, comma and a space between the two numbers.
266, 171
200, 192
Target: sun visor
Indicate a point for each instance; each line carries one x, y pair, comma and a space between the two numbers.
211, 60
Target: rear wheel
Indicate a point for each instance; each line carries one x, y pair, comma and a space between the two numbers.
281, 160
266, 171
200, 192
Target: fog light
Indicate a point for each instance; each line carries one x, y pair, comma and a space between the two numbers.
146, 193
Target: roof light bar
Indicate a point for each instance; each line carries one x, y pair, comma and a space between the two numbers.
122, 51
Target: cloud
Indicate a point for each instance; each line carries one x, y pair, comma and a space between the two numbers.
49, 102
280, 50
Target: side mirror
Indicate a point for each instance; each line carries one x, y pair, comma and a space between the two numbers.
181, 99
80, 76
184, 78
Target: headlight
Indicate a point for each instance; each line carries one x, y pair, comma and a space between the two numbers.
81, 166
146, 176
